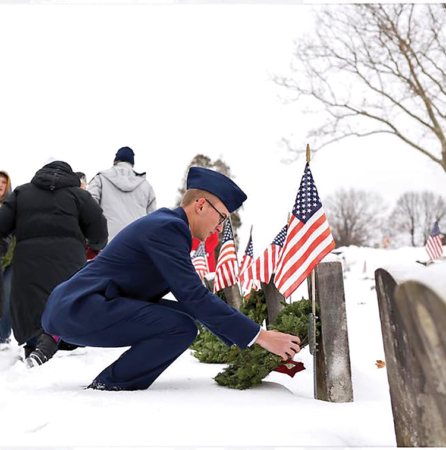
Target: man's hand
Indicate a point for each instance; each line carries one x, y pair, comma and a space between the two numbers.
281, 344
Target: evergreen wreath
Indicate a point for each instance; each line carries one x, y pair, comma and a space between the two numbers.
208, 348
247, 368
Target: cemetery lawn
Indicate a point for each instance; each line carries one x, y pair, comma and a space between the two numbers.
49, 406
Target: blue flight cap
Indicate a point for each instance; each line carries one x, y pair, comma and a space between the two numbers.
218, 184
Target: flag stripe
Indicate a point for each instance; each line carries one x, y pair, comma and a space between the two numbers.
299, 239
316, 248
300, 249
246, 262
434, 247
297, 232
317, 259
297, 261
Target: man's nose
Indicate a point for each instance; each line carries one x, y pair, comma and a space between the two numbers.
219, 228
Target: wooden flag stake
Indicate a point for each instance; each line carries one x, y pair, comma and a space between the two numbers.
313, 317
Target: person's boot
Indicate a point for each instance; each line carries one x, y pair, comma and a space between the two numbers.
45, 349
28, 349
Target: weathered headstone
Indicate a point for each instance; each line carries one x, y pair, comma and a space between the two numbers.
232, 293
400, 364
333, 370
233, 296
209, 283
423, 314
274, 300
413, 322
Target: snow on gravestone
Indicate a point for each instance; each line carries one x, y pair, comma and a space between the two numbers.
412, 305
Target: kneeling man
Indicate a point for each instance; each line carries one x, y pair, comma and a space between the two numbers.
116, 300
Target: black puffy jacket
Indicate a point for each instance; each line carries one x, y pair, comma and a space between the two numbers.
51, 217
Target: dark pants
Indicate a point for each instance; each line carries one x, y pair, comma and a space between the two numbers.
158, 333
5, 321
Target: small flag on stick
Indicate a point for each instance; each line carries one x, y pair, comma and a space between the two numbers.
248, 283
265, 265
434, 247
199, 260
227, 270
308, 239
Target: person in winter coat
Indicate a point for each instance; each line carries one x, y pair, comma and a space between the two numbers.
89, 252
116, 300
82, 179
51, 218
123, 194
6, 249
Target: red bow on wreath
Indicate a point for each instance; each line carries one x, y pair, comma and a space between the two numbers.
290, 367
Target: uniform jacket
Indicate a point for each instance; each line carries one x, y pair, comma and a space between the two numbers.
148, 259
51, 218
124, 196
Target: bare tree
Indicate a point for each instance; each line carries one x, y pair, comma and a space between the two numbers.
415, 214
433, 209
355, 217
406, 217
375, 68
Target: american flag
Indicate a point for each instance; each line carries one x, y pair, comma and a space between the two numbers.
247, 283
248, 257
308, 240
265, 265
199, 260
227, 270
434, 245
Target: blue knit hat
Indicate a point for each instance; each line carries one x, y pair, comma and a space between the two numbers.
125, 154
218, 184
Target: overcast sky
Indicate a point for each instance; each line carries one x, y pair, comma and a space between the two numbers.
78, 82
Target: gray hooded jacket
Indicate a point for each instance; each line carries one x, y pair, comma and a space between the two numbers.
123, 195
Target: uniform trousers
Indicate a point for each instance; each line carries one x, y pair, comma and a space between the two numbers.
157, 333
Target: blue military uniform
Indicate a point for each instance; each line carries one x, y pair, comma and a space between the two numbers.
116, 300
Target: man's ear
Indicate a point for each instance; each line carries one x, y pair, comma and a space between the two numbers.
199, 203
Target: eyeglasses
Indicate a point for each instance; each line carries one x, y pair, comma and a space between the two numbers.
223, 217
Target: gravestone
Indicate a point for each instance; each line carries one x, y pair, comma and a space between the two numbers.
423, 314
274, 300
233, 297
413, 322
400, 363
209, 283
333, 381
232, 293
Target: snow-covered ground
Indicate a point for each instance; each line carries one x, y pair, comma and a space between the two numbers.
49, 406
